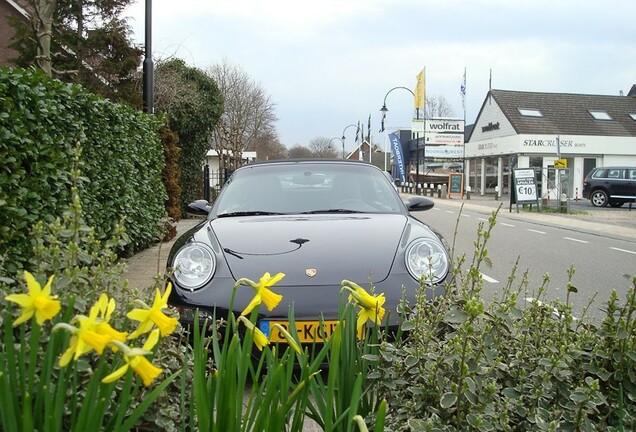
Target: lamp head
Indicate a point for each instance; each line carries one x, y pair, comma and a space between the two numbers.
384, 109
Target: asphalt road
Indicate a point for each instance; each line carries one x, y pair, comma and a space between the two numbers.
600, 259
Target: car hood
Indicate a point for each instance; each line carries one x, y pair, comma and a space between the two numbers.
313, 249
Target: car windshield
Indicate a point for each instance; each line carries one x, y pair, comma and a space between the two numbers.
306, 188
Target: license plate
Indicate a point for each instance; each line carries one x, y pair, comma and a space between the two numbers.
307, 331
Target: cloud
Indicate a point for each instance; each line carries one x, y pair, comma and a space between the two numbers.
328, 64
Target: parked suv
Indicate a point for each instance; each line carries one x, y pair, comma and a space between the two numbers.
610, 185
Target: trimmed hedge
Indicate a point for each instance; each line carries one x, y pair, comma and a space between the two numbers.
42, 122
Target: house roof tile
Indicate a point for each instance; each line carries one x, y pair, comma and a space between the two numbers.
567, 114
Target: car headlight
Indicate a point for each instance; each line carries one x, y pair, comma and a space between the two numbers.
426, 259
194, 265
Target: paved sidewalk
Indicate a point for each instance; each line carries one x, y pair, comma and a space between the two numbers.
145, 266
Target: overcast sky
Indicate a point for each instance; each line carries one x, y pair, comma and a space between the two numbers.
329, 63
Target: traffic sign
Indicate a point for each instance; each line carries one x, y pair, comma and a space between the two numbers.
561, 163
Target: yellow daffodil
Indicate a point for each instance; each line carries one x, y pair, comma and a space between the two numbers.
38, 301
94, 331
260, 340
263, 293
370, 305
288, 337
148, 317
135, 359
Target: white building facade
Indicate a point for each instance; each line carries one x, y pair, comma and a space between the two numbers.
539, 130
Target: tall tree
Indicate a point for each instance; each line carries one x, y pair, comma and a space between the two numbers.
300, 152
269, 147
321, 147
193, 105
438, 106
83, 41
248, 112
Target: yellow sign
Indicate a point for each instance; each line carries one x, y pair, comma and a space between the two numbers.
561, 163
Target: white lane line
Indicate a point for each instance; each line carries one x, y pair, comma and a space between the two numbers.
465, 215
507, 224
576, 240
536, 231
623, 250
486, 277
483, 219
555, 312
448, 211
489, 279
437, 209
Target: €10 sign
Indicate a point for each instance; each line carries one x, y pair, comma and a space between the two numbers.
525, 185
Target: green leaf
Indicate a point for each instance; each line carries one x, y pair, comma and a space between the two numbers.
511, 393
578, 396
411, 361
448, 400
408, 326
456, 316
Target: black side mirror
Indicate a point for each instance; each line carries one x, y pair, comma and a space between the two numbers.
199, 207
419, 203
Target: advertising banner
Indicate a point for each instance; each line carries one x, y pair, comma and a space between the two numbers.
444, 152
449, 132
398, 156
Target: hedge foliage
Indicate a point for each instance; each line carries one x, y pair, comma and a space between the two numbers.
43, 124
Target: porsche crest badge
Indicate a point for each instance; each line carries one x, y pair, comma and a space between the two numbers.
311, 272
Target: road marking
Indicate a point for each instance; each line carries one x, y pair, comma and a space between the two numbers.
536, 231
555, 312
435, 208
623, 250
575, 240
483, 219
465, 215
448, 211
486, 277
489, 279
507, 224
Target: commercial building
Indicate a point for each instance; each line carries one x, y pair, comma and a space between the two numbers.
536, 130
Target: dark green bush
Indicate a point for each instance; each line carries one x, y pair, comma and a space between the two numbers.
42, 122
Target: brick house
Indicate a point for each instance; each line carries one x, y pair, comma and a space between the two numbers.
16, 8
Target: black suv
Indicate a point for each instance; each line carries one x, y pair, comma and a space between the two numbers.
610, 185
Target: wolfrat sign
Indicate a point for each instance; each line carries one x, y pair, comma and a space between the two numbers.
444, 132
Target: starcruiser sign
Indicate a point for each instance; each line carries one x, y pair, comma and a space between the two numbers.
444, 131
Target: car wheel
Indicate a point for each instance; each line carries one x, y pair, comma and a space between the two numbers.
598, 198
616, 204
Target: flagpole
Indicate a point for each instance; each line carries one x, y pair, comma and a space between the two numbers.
369, 138
463, 91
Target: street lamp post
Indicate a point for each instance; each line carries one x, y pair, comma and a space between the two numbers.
341, 140
384, 110
148, 67
343, 137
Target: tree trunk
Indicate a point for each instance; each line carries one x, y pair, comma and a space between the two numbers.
45, 10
